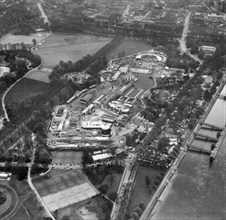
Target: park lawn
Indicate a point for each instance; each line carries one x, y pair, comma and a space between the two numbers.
25, 89
21, 187
112, 186
140, 192
20, 215
33, 207
129, 47
64, 47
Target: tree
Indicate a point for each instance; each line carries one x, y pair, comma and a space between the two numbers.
148, 180
112, 196
138, 210
23, 46
34, 41
111, 178
65, 217
142, 205
103, 188
135, 216
86, 158
163, 144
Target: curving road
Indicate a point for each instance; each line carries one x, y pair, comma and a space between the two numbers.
182, 40
8, 209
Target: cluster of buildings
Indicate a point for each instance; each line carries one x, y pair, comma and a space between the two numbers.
101, 114
101, 155
142, 124
5, 176
207, 51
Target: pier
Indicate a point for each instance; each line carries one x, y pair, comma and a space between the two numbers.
206, 137
192, 147
221, 96
211, 127
218, 144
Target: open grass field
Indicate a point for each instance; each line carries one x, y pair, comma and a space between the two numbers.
66, 157
33, 207
65, 47
27, 39
40, 75
129, 47
25, 89
20, 215
64, 189
140, 191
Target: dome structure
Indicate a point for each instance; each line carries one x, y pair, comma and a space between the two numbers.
130, 77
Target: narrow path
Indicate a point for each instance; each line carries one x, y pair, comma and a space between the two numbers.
34, 189
126, 10
46, 20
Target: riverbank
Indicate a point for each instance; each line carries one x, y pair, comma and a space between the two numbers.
164, 187
182, 181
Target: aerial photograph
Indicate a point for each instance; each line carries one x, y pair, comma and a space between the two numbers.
112, 109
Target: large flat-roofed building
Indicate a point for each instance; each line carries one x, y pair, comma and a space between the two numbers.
86, 99
5, 176
207, 50
96, 125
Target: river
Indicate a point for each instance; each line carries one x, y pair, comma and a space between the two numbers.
198, 190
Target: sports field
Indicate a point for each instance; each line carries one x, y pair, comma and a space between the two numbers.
64, 189
65, 47
25, 89
66, 157
129, 47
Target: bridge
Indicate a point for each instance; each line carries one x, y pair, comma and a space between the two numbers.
210, 126
192, 147
206, 137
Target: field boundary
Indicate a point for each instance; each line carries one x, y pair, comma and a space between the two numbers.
6, 92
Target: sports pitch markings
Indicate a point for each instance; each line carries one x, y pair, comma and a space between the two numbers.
64, 189
133, 93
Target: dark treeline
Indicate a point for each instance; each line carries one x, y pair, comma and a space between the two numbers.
92, 64
80, 23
